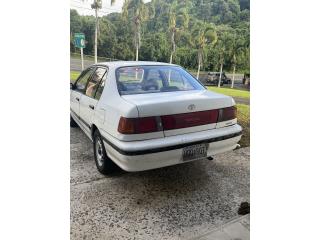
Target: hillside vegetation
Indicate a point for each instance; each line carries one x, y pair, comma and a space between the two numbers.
190, 32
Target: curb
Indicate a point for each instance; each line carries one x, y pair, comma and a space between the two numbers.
237, 228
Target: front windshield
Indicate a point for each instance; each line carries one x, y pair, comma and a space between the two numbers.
153, 79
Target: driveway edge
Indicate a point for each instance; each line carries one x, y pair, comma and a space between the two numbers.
238, 228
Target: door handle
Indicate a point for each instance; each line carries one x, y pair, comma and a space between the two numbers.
78, 99
91, 106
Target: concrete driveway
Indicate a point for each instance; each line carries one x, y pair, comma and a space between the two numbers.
177, 202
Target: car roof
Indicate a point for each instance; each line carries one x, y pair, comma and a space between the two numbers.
117, 64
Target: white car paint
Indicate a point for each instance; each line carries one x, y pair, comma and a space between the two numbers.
111, 106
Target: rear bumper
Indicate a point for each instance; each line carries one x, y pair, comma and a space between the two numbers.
155, 153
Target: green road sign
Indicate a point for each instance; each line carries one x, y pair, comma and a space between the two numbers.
79, 40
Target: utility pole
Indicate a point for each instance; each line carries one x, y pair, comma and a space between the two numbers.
97, 4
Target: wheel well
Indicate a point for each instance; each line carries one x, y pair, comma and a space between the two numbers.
93, 129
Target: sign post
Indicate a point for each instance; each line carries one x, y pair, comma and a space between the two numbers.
81, 51
79, 42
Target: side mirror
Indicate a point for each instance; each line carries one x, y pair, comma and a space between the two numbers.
71, 85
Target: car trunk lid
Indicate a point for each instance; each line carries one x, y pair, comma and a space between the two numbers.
182, 111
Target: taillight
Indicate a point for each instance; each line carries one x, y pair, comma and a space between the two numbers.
226, 114
137, 125
185, 120
175, 121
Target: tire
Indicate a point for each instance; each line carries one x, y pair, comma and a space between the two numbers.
104, 164
73, 123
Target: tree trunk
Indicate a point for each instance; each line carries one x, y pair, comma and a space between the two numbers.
198, 73
137, 52
96, 38
221, 66
234, 71
173, 47
137, 40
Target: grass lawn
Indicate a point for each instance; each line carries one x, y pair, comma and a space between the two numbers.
244, 121
74, 75
231, 92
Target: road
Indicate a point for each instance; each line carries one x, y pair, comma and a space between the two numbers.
75, 64
177, 202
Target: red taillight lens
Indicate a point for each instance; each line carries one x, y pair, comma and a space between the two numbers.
185, 120
137, 125
226, 114
145, 125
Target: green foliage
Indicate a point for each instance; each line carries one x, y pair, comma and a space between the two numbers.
151, 27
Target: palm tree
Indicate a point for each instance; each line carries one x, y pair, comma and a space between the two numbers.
204, 35
224, 46
137, 10
235, 51
96, 5
173, 29
238, 48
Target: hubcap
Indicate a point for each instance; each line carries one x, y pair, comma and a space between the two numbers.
99, 152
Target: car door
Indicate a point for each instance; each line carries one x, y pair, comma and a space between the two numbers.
89, 99
78, 90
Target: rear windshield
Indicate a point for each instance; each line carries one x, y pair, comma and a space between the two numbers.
153, 79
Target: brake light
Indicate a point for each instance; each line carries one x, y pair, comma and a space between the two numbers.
137, 125
226, 114
185, 120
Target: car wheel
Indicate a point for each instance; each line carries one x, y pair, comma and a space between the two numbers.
73, 123
104, 164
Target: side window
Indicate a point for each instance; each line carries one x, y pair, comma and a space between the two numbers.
82, 81
94, 81
101, 86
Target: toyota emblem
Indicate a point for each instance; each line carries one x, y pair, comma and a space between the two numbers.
191, 107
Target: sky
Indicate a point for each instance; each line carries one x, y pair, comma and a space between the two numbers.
83, 7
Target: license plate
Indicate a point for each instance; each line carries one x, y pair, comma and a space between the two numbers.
194, 152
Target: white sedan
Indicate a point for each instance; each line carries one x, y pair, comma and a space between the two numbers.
146, 115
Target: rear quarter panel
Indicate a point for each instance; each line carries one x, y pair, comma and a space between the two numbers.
113, 107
